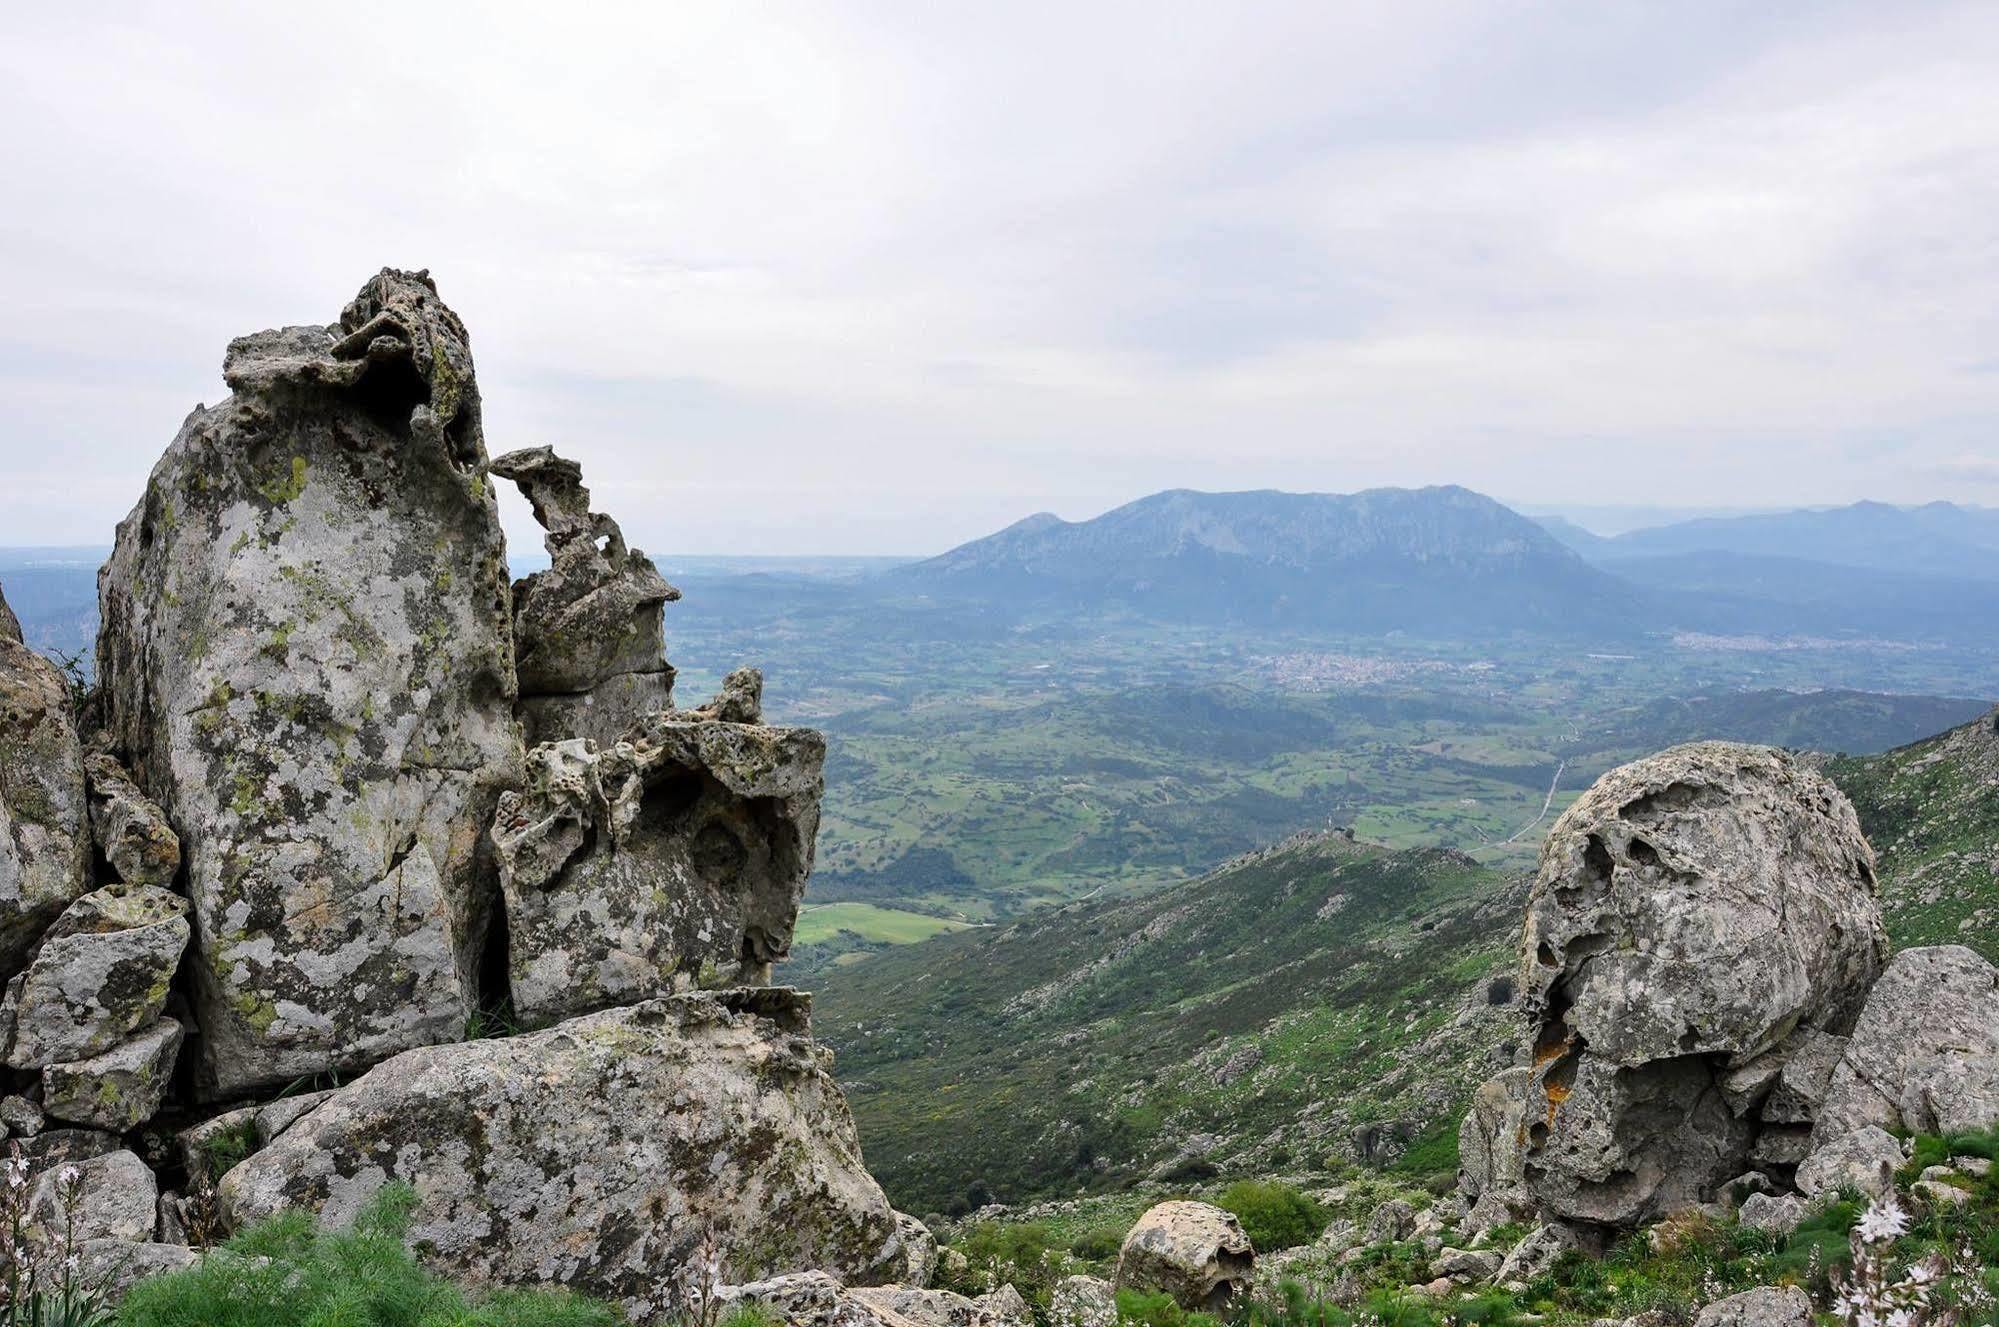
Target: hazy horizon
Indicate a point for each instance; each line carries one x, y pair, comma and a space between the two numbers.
870, 280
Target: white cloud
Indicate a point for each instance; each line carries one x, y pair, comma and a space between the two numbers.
878, 277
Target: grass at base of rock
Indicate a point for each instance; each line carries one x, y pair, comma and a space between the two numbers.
286, 1273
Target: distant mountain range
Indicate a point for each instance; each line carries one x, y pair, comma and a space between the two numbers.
1936, 539
1445, 560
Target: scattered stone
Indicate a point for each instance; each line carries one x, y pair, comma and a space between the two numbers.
1194, 1252
1865, 1159
1393, 1220
44, 825
684, 846
1935, 1194
22, 1117
120, 1089
1765, 1306
1083, 1301
1780, 1215
1925, 1055
679, 1116
1476, 1266
1693, 911
306, 657
1537, 1252
101, 975
1339, 1235
131, 830
120, 1197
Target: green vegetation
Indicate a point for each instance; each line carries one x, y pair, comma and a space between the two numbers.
1273, 1215
285, 1273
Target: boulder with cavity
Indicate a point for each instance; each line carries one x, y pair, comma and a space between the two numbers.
1195, 1252
1695, 912
684, 847
306, 657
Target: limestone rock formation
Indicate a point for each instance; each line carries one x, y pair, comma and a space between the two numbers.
307, 660
1695, 913
131, 830
598, 1153
591, 652
1925, 1055
1195, 1252
101, 975
44, 827
685, 845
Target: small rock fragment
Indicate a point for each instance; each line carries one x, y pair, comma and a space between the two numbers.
132, 832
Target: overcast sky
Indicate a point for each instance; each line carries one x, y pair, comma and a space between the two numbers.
878, 277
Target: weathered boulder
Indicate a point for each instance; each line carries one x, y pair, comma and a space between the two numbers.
920, 1251
1765, 1306
102, 974
592, 620
684, 846
21, 1117
306, 655
941, 1308
1468, 1266
1489, 1150
44, 825
113, 1266
131, 830
597, 1154
1083, 1301
1391, 1221
816, 1299
120, 1089
1779, 1214
1694, 911
1537, 1252
1785, 1084
1865, 1159
119, 1197
1195, 1252
1925, 1055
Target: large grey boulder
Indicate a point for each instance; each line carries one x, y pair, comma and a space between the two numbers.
1924, 1057
1195, 1252
44, 825
103, 973
307, 660
589, 622
130, 828
1694, 912
597, 1154
685, 846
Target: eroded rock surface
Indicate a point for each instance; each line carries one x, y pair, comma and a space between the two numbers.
1195, 1252
306, 652
1924, 1057
44, 825
590, 622
686, 845
1705, 909
596, 1154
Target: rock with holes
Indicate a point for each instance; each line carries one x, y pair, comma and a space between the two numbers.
1195, 1252
599, 1153
306, 655
102, 974
683, 847
44, 825
1924, 1057
591, 652
1695, 913
131, 830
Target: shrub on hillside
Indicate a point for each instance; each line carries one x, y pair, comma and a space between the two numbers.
1275, 1216
286, 1273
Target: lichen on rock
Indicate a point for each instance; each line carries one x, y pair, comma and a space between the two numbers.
44, 825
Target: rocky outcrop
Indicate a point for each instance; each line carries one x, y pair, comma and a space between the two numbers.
307, 659
1195, 1252
44, 826
598, 1153
683, 848
591, 650
1704, 911
1924, 1057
